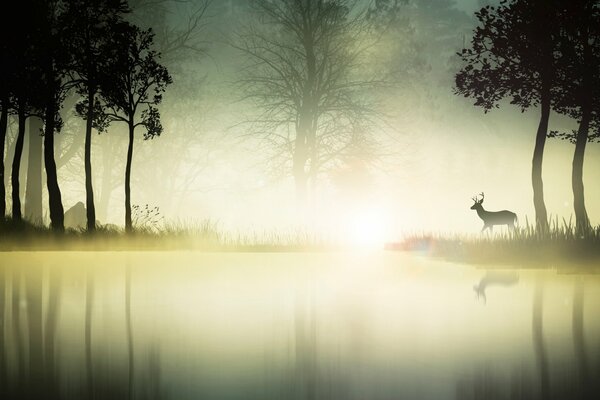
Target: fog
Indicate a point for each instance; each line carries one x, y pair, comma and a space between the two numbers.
434, 153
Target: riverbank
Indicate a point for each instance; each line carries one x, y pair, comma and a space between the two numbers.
562, 245
202, 236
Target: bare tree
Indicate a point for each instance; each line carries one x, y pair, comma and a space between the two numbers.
305, 75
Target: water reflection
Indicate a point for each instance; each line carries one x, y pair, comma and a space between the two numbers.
291, 326
541, 353
494, 278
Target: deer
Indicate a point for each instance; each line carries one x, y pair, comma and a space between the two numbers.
491, 218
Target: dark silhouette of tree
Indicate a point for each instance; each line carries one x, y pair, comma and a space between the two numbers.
304, 74
91, 24
5, 96
53, 59
512, 56
25, 77
137, 83
579, 69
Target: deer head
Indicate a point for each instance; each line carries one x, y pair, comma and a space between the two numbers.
477, 203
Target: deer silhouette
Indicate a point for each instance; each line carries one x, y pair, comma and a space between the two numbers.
491, 218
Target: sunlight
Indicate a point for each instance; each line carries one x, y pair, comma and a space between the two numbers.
368, 228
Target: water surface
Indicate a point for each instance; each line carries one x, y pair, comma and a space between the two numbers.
359, 325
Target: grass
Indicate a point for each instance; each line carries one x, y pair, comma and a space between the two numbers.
524, 245
179, 235
561, 244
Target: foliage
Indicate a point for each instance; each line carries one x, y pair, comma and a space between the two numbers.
508, 59
137, 83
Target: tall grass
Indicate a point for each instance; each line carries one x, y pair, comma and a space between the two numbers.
561, 243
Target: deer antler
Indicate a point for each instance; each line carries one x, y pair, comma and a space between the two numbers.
482, 197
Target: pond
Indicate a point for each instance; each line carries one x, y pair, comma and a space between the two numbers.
358, 325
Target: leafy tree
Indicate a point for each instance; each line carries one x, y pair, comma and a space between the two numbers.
6, 77
512, 56
53, 57
26, 75
92, 24
579, 69
303, 74
138, 82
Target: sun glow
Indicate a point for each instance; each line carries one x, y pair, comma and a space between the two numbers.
368, 228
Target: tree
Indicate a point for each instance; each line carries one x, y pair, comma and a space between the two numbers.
26, 74
579, 69
137, 84
91, 24
303, 74
33, 184
509, 57
53, 59
5, 96
35, 89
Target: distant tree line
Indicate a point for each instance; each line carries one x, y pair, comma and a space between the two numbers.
542, 53
82, 46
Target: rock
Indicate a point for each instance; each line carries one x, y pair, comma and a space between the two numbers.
76, 217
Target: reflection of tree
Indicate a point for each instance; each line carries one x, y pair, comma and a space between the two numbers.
18, 345
3, 347
539, 347
33, 296
89, 308
579, 338
306, 345
130, 357
50, 327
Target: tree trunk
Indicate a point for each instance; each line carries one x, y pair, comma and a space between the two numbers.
300, 180
89, 189
128, 224
33, 185
3, 128
581, 218
57, 215
541, 215
16, 165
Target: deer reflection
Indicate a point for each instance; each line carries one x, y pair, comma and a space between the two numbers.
494, 278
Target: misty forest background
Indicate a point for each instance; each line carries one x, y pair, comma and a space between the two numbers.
209, 111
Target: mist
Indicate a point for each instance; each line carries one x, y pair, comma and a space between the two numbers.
434, 152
